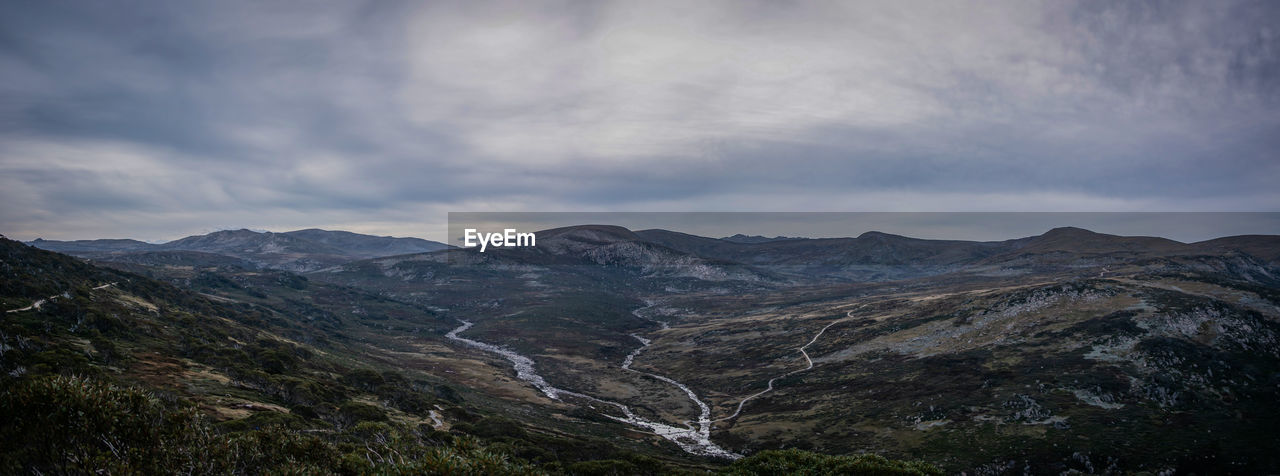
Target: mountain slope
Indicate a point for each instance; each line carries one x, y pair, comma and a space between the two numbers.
257, 352
1068, 351
1055, 372
1265, 247
103, 245
367, 246
272, 250
870, 248
1055, 365
741, 238
302, 250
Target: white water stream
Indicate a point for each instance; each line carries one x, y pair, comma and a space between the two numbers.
692, 440
704, 416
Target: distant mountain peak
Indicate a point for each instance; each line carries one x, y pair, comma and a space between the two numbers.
1079, 240
596, 233
741, 238
882, 236
236, 232
1071, 231
302, 250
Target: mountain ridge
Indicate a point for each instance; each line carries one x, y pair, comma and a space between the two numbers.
872, 255
1042, 339
299, 250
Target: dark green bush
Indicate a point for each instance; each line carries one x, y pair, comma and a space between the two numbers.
74, 425
798, 462
355, 412
363, 379
497, 427
604, 467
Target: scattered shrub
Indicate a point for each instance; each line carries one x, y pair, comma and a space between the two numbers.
797, 462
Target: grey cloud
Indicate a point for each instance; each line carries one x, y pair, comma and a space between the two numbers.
163, 116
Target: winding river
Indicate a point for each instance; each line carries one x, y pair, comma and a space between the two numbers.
695, 440
704, 416
692, 440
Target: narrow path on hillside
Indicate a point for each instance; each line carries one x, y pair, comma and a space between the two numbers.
808, 361
40, 302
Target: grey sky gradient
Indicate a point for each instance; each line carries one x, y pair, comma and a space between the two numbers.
156, 120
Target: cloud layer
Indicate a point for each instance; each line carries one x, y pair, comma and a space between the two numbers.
164, 119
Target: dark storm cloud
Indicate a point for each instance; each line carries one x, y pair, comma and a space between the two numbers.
158, 119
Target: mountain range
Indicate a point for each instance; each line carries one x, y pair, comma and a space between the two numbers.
661, 352
315, 249
301, 250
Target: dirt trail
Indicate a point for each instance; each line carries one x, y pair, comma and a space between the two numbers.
808, 361
40, 302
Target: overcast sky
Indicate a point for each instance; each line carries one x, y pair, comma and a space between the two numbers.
156, 120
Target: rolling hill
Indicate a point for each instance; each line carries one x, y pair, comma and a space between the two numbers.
1067, 351
302, 250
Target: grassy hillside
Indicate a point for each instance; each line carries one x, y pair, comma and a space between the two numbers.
1132, 372
239, 371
